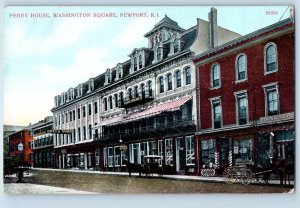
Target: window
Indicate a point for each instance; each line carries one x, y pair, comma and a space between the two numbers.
242, 108
143, 91
241, 66
95, 107
73, 115
121, 99
135, 64
271, 99
161, 85
110, 102
116, 100
78, 113
105, 104
169, 79
62, 119
90, 109
84, 133
176, 46
190, 150
178, 78
188, 76
216, 113
271, 62
208, 149
79, 135
140, 61
70, 116
130, 93
117, 156
242, 150
159, 54
150, 88
105, 157
110, 156
90, 131
66, 117
136, 91
215, 76
83, 111
169, 152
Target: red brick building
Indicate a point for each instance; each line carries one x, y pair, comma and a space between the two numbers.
246, 99
25, 138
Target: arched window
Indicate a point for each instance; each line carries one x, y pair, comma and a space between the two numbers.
121, 99
105, 104
270, 57
161, 85
215, 76
169, 79
129, 93
136, 91
140, 61
241, 67
110, 102
150, 89
116, 100
178, 78
188, 79
143, 90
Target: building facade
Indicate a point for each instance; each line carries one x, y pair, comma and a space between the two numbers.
247, 100
144, 106
42, 144
15, 139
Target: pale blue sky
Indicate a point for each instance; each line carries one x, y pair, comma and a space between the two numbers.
44, 57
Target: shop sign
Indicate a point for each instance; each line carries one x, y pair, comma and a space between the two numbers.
243, 150
60, 131
123, 147
277, 118
236, 150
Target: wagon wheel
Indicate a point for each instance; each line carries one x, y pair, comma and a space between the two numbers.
229, 175
246, 176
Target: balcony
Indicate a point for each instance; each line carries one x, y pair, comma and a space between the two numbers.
150, 131
129, 102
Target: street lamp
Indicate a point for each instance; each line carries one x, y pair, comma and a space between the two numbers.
20, 149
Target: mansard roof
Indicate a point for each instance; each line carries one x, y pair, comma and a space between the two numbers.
165, 22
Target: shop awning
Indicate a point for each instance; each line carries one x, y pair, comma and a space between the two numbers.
171, 105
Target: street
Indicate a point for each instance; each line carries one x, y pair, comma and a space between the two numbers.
95, 182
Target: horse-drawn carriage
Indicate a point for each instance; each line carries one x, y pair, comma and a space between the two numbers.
247, 173
151, 166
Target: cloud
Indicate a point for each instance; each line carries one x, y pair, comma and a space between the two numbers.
133, 32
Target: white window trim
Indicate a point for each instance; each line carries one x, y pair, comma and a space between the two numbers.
212, 101
265, 58
169, 157
167, 81
242, 93
189, 156
211, 76
237, 68
267, 88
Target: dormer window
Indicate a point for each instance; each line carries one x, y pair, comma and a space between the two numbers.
176, 46
135, 64
91, 85
80, 90
140, 61
158, 55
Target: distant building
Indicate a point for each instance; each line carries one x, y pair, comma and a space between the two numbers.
24, 137
42, 144
7, 130
247, 99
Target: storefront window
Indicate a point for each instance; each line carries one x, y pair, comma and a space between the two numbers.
169, 152
160, 151
110, 157
123, 157
117, 156
243, 150
208, 149
190, 150
105, 156
144, 151
152, 148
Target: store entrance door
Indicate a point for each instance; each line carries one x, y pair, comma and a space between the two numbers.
180, 156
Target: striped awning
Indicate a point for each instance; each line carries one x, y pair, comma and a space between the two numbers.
171, 105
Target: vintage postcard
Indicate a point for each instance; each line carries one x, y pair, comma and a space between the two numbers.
149, 99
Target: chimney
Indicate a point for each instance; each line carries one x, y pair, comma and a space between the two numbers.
213, 27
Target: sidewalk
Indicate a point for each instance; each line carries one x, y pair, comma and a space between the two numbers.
177, 177
28, 188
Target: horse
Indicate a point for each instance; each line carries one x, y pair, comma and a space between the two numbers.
134, 167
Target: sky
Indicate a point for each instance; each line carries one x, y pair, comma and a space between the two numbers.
44, 57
